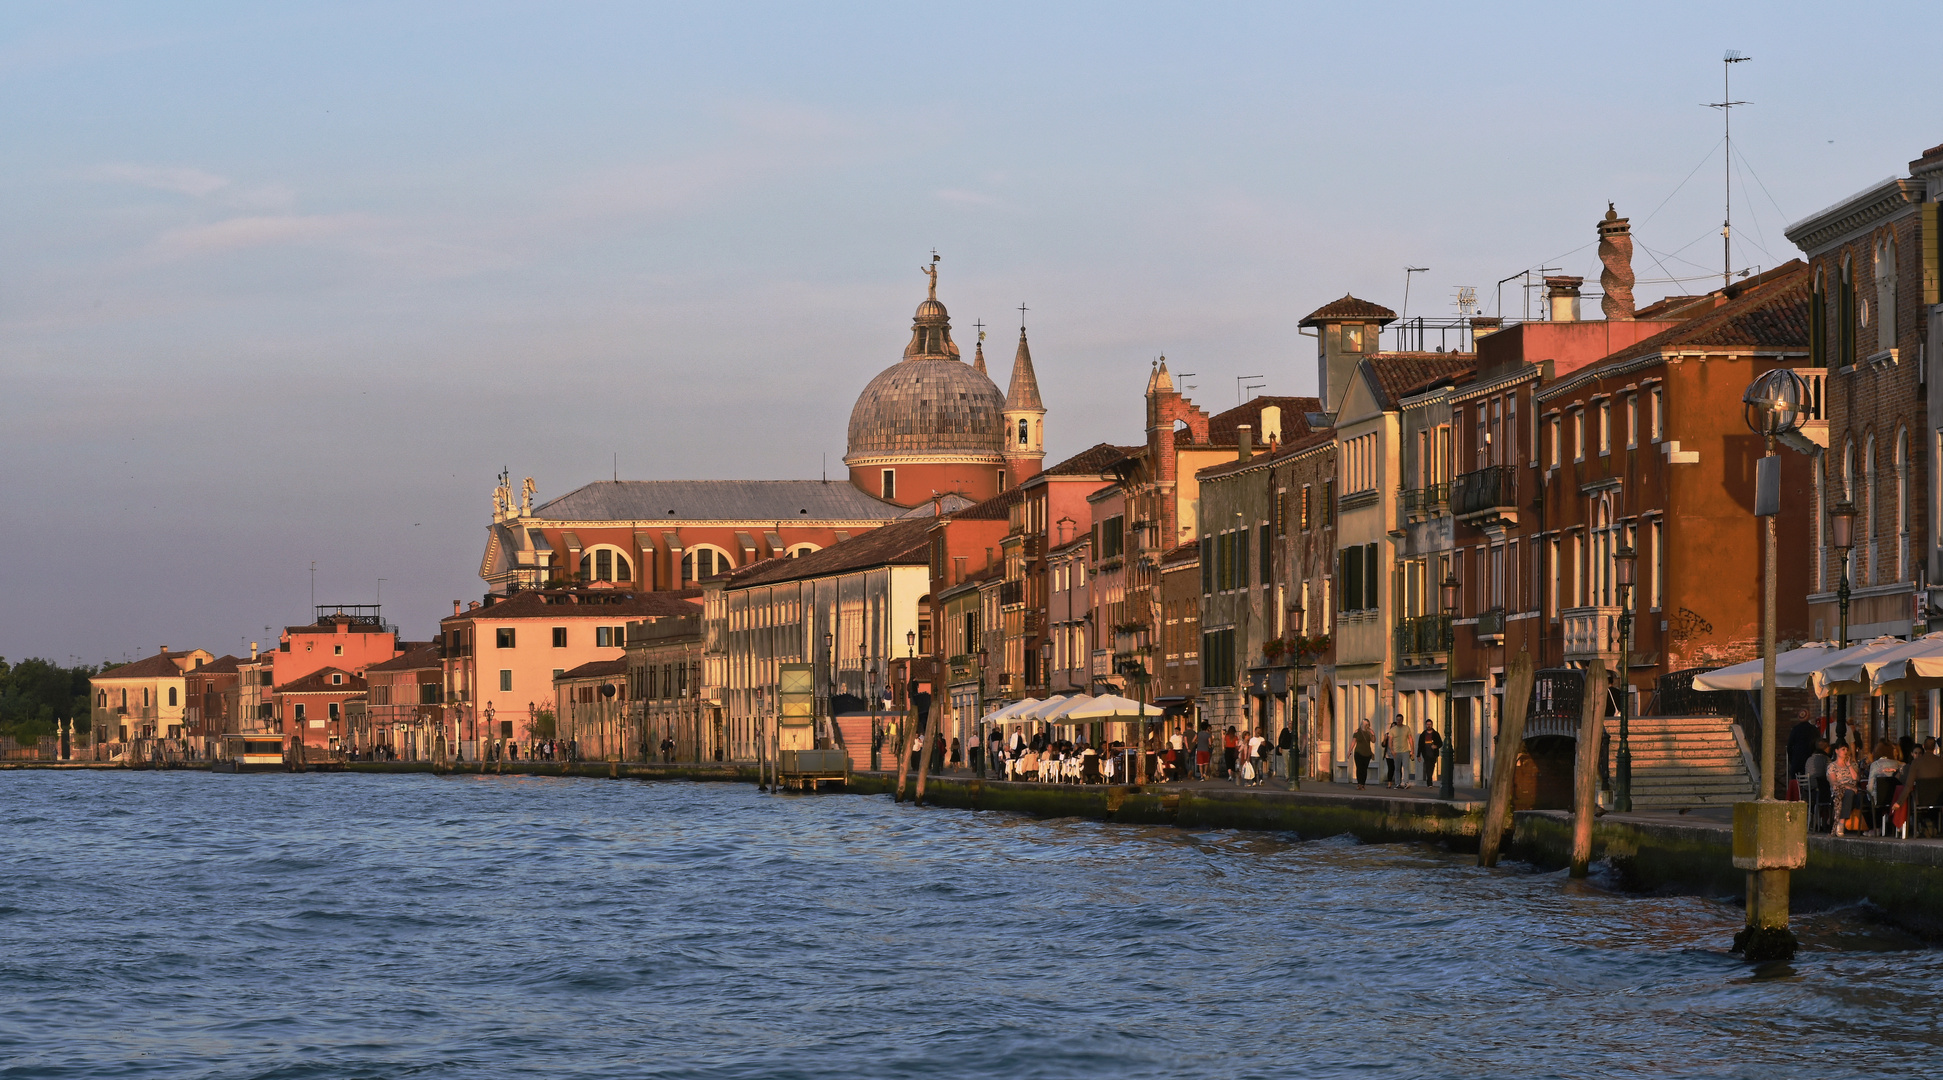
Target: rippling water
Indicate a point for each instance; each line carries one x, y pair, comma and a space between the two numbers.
187, 924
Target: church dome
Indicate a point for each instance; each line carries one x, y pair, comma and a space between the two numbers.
931, 403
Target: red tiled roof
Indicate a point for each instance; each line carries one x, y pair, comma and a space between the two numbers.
1395, 375
585, 604
595, 668
1348, 308
319, 682
1772, 311
996, 508
901, 543
1188, 552
148, 667
1223, 428
416, 658
222, 665
1093, 460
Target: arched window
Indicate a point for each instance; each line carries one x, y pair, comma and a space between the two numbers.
1885, 315
1869, 511
704, 561
171, 697
1024, 428
1818, 321
1845, 316
606, 563
800, 550
1902, 503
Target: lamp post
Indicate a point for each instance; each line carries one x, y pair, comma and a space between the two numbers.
1625, 567
1296, 730
978, 708
1447, 599
829, 676
1841, 528
869, 676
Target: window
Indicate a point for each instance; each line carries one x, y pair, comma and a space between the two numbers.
505, 679
603, 637
1352, 340
1845, 317
559, 637
503, 638
705, 562
1632, 421
1885, 294
172, 697
888, 488
801, 550
300, 712
337, 678
1818, 322
333, 712
1001, 479
1268, 559
1207, 565
1113, 537
1308, 508
1656, 562
1218, 658
1240, 564
1552, 435
1655, 414
606, 564
1551, 601
1351, 572
1578, 434
337, 650
1022, 441
1605, 427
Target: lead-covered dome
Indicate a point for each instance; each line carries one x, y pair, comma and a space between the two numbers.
931, 404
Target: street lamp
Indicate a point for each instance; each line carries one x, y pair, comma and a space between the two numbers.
1625, 567
1447, 598
868, 676
1841, 529
830, 677
978, 707
1296, 730
1772, 407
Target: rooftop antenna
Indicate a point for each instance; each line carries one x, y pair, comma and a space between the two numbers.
1407, 271
1185, 385
1726, 106
1239, 379
381, 592
313, 586
617, 466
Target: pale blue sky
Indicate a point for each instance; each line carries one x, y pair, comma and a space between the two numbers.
283, 284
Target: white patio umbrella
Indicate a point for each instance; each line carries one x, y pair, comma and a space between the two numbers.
1060, 710
1847, 672
1111, 707
1795, 669
1906, 665
1009, 712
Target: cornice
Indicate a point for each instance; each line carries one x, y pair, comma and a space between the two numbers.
1817, 232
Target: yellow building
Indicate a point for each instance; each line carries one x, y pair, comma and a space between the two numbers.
145, 699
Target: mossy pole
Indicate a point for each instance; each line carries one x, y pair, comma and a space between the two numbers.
1585, 771
904, 743
1511, 736
924, 759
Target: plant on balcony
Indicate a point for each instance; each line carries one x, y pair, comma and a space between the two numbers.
1311, 646
1273, 649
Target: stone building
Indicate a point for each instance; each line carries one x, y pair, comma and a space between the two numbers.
594, 710
145, 699
404, 705
664, 690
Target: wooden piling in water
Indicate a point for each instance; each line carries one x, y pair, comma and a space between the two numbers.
904, 744
1585, 770
924, 759
1511, 736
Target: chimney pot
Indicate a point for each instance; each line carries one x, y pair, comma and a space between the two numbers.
1562, 297
456, 607
1244, 436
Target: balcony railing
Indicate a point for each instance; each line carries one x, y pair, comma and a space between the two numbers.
1423, 502
1490, 624
1490, 492
1591, 633
1011, 592
1422, 635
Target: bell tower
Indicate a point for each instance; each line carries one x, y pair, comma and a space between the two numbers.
1025, 416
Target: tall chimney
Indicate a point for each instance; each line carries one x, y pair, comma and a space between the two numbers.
165, 650
1244, 436
252, 650
455, 607
1616, 252
1562, 297
1484, 326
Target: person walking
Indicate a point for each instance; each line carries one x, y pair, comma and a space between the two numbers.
1396, 742
1429, 745
1365, 740
1256, 750
1285, 749
1203, 750
1230, 751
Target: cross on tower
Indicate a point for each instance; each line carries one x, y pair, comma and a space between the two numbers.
1022, 311
980, 327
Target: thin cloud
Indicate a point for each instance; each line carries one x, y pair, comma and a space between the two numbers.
182, 181
236, 234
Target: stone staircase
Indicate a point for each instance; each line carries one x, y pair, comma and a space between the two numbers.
1681, 761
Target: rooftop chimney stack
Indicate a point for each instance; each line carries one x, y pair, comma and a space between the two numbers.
1562, 297
1616, 252
1483, 326
252, 650
165, 650
455, 607
1245, 436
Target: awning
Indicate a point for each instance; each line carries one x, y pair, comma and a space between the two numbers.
1904, 665
1059, 710
999, 716
1803, 668
1111, 707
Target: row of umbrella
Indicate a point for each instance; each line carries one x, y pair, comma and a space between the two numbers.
1883, 665
1074, 709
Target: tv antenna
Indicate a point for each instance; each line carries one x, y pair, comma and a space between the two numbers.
1726, 106
1466, 301
1407, 271
1240, 389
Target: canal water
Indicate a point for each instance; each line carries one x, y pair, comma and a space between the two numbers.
192, 925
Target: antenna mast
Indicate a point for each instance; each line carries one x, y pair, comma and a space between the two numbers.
1726, 106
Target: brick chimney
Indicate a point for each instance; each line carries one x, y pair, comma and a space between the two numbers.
1616, 252
1245, 439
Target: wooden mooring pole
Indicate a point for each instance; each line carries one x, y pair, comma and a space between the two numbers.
1585, 771
924, 759
1511, 737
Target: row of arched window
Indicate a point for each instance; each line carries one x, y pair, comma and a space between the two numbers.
608, 563
1876, 558
1862, 323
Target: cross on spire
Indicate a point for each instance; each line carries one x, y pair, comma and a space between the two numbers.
979, 325
1022, 311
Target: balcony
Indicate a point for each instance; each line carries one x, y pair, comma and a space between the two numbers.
1591, 633
1487, 497
1011, 592
1423, 635
1490, 624
1417, 504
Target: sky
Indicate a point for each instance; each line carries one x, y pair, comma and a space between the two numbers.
288, 285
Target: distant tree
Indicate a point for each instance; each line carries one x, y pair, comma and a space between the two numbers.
541, 726
36, 695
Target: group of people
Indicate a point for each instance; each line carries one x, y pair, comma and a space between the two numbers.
1399, 752
1246, 758
537, 750
1877, 789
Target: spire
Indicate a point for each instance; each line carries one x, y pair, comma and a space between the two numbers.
1024, 391
978, 352
1159, 381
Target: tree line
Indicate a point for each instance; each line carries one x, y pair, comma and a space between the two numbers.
36, 694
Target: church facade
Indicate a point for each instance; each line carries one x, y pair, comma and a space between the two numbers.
931, 431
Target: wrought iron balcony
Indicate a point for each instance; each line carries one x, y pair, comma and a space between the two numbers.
1487, 495
1423, 635
1415, 504
1011, 592
1490, 624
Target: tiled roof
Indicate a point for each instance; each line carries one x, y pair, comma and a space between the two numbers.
585, 604
717, 500
949, 502
152, 666
996, 508
1394, 375
1223, 428
1023, 393
901, 543
1458, 375
1093, 460
595, 669
417, 658
1349, 308
1186, 553
1773, 312
319, 682
222, 665
1260, 460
